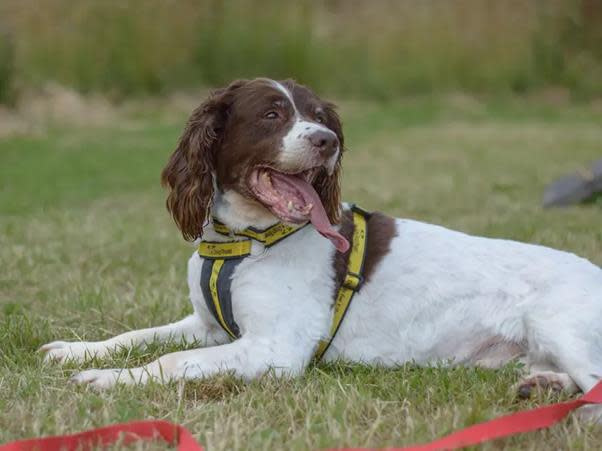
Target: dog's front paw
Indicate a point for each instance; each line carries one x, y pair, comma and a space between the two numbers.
77, 351
104, 379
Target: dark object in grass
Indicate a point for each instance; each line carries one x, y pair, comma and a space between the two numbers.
583, 186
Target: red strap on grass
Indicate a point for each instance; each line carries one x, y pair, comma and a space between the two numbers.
515, 423
125, 433
175, 435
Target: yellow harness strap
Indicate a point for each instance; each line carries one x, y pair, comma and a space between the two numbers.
267, 237
353, 279
221, 258
221, 250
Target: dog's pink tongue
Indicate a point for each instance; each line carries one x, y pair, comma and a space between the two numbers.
318, 216
319, 219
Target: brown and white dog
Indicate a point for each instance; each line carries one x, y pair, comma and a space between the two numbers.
262, 151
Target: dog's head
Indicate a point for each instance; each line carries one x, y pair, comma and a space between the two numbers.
276, 144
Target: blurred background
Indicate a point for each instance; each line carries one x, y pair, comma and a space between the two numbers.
455, 112
371, 49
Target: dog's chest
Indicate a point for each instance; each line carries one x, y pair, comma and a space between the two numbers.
282, 287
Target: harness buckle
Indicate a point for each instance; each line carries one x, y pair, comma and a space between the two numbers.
353, 281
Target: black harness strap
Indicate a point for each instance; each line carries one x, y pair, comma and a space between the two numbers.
223, 280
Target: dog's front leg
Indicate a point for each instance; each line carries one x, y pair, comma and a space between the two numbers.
189, 329
248, 358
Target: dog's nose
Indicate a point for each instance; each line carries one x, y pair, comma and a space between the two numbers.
325, 142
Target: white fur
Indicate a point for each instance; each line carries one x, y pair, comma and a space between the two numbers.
436, 297
296, 149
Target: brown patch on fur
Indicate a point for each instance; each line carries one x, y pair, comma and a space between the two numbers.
380, 232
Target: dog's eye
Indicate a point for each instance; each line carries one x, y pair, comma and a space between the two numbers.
320, 118
271, 115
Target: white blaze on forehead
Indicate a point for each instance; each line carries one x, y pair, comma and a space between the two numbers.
288, 95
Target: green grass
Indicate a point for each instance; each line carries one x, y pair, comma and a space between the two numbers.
88, 251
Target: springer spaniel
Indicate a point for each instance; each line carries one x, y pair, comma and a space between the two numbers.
260, 152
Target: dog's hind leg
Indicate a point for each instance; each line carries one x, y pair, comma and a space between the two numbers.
189, 329
567, 335
575, 347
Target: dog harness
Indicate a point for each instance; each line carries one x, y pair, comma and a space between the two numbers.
221, 259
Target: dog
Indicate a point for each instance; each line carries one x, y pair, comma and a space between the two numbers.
259, 153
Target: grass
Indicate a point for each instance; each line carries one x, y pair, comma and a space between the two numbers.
87, 251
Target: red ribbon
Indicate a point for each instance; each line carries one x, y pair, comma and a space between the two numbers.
515, 423
126, 433
175, 435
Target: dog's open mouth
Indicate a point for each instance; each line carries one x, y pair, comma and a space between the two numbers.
292, 198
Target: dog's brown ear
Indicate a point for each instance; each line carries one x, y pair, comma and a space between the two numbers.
190, 171
329, 186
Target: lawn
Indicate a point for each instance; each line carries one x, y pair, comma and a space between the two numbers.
87, 251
